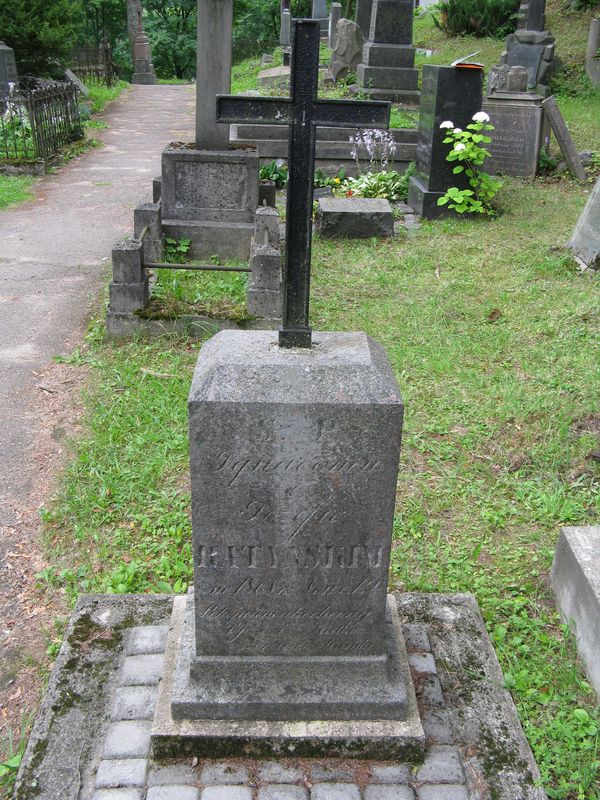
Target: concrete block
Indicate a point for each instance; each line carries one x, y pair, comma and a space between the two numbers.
436, 725
415, 637
266, 227
133, 702
141, 670
264, 303
390, 773
127, 739
354, 217
128, 297
575, 578
442, 791
282, 792
124, 772
156, 188
266, 268
180, 774
389, 792
422, 662
277, 772
128, 262
117, 794
149, 214
335, 791
441, 765
331, 772
226, 793
173, 792
146, 640
229, 773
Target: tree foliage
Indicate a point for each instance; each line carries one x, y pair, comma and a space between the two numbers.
42, 33
477, 17
171, 27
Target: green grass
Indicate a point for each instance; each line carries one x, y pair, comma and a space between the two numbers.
213, 294
174, 81
14, 190
101, 95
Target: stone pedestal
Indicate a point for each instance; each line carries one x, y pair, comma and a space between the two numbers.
518, 118
294, 459
210, 197
143, 70
451, 94
533, 50
387, 71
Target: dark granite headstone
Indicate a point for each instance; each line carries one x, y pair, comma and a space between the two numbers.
448, 93
528, 56
536, 16
364, 9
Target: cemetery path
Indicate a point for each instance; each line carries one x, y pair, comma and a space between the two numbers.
54, 256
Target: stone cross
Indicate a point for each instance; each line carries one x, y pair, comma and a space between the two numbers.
302, 111
213, 70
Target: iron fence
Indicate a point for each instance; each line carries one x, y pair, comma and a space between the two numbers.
35, 123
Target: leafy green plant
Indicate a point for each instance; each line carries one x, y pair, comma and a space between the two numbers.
322, 180
276, 171
15, 752
468, 149
176, 250
547, 163
495, 18
391, 185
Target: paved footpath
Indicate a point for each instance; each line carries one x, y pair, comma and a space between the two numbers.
54, 257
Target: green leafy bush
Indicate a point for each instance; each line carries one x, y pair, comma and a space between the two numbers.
495, 18
391, 185
276, 172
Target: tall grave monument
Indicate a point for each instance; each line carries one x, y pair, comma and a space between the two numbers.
210, 190
294, 447
532, 46
387, 70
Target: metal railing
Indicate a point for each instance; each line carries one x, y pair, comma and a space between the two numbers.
36, 123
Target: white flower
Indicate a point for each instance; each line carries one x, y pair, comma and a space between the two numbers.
481, 116
459, 146
447, 124
457, 130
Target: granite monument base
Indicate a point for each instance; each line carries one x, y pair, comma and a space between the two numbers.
210, 197
292, 688
144, 78
519, 133
424, 201
407, 97
312, 733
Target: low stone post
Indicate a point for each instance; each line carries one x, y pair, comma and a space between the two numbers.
593, 44
149, 214
129, 289
265, 298
335, 16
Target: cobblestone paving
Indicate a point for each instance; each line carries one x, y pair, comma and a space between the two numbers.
126, 771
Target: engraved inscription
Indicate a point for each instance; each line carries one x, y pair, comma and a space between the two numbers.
313, 556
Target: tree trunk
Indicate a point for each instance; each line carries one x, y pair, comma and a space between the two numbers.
134, 16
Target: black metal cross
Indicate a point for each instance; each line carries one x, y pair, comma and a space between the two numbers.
302, 112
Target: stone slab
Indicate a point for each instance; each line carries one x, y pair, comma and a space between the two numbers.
354, 217
585, 241
517, 138
575, 578
64, 752
275, 78
393, 79
228, 240
225, 738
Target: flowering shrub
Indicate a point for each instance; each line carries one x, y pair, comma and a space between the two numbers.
468, 149
389, 185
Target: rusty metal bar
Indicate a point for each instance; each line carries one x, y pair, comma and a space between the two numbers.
206, 267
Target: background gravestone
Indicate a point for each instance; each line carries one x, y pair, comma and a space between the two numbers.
448, 93
320, 13
532, 46
346, 55
8, 69
364, 9
387, 71
335, 16
592, 61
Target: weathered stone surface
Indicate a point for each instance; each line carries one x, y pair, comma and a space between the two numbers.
278, 772
179, 774
213, 71
517, 138
128, 262
441, 765
128, 297
209, 186
564, 139
123, 772
127, 739
287, 486
224, 773
389, 792
335, 16
447, 94
364, 9
173, 792
585, 241
266, 227
354, 217
8, 68
141, 670
148, 215
575, 579
226, 793
390, 773
391, 22
442, 791
282, 792
275, 78
335, 791
528, 56
516, 79
285, 34
133, 702
346, 54
117, 794
146, 640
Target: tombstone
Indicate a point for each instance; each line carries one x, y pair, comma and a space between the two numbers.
354, 218
448, 93
8, 69
517, 79
143, 69
72, 78
210, 191
387, 70
334, 17
294, 456
364, 9
532, 47
347, 53
592, 62
320, 13
285, 30
585, 241
519, 132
